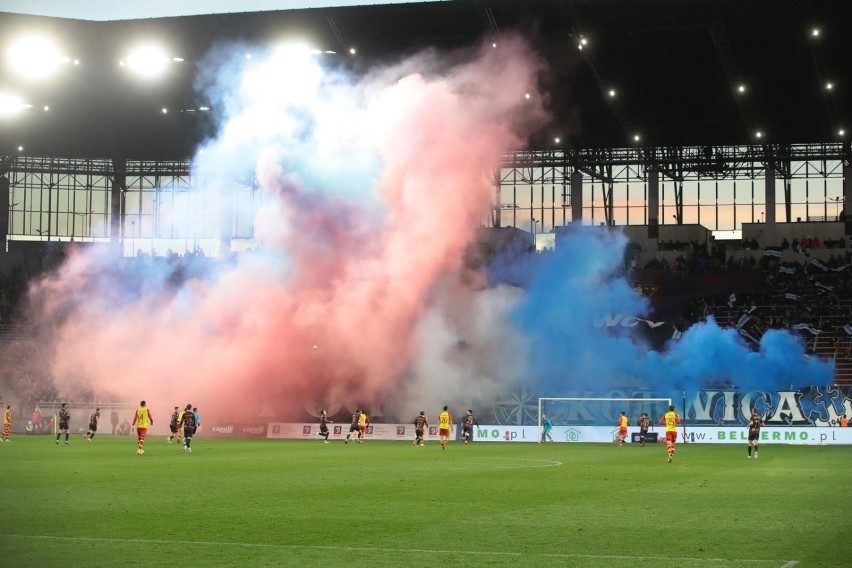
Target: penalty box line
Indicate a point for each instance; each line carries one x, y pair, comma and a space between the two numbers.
395, 550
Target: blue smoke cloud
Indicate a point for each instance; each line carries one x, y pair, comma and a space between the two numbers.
567, 291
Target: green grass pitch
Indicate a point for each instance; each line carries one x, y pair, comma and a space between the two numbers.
388, 504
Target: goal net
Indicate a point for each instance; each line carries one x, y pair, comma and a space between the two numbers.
596, 419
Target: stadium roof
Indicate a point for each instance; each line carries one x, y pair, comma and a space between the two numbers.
674, 67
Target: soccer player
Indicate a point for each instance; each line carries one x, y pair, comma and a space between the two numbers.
671, 420
197, 419
324, 421
173, 426
468, 423
142, 419
363, 420
444, 421
93, 424
353, 427
644, 424
64, 419
623, 423
7, 423
187, 420
546, 427
754, 425
420, 425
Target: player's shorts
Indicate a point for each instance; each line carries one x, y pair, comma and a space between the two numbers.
141, 433
418, 432
467, 431
753, 436
353, 428
622, 431
323, 428
189, 431
63, 425
173, 428
671, 437
443, 431
643, 431
93, 426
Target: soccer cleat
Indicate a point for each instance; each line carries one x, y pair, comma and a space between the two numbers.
670, 459
88, 439
184, 449
325, 442
57, 442
749, 457
67, 443
755, 455
189, 450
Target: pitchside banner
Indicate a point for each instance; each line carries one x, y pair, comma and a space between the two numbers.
696, 435
231, 430
291, 431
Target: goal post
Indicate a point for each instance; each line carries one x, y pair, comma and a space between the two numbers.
595, 419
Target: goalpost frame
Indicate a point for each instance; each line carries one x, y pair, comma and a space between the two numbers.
668, 402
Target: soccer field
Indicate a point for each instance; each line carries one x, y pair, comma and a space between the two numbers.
305, 503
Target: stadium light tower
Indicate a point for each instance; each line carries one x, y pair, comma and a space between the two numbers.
148, 61
11, 105
35, 57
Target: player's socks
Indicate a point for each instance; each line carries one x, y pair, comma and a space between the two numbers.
66, 437
749, 451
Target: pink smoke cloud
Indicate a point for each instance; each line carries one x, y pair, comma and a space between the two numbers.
360, 282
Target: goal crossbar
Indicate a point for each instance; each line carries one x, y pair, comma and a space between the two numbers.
545, 399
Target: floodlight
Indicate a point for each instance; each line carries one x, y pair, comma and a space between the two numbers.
583, 41
34, 57
204, 108
841, 132
352, 50
20, 148
829, 86
741, 88
636, 138
815, 32
612, 92
527, 96
557, 140
493, 45
758, 134
46, 108
11, 105
164, 110
147, 61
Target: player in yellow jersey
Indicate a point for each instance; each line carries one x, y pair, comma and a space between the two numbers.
7, 423
671, 420
623, 423
444, 421
142, 419
363, 420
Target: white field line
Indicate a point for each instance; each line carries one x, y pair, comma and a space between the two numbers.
382, 550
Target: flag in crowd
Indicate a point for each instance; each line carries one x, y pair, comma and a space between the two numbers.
772, 253
807, 327
848, 329
791, 296
786, 270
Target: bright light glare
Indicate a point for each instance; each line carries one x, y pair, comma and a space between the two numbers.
353, 51
841, 132
829, 86
612, 92
34, 57
11, 105
636, 138
758, 134
815, 32
741, 88
557, 140
148, 61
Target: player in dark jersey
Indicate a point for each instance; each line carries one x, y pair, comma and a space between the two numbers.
644, 424
93, 424
173, 426
356, 416
754, 425
187, 420
324, 422
468, 422
420, 425
64, 419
